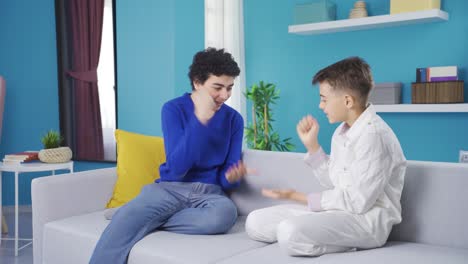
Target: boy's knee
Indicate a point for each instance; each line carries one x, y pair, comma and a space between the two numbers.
226, 219
291, 239
252, 222
286, 232
255, 225
219, 223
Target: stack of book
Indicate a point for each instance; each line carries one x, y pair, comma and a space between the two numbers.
437, 85
18, 158
437, 74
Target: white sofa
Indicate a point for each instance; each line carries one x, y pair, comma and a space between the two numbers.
68, 218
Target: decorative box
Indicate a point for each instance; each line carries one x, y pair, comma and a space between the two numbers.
385, 93
316, 11
437, 92
401, 6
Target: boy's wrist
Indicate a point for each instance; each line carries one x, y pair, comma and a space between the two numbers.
298, 197
313, 149
314, 201
203, 118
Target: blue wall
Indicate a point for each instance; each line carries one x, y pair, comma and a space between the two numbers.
290, 61
189, 39
145, 59
156, 41
28, 62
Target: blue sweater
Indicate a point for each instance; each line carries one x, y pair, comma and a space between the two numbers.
197, 152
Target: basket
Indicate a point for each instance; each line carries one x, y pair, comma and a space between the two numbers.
437, 92
55, 155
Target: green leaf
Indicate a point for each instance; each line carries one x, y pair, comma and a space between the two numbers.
52, 139
265, 94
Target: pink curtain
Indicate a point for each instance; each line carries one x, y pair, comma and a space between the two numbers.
86, 31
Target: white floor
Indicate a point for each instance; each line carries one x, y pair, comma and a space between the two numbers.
7, 252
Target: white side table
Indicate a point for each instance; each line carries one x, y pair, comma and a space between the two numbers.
28, 167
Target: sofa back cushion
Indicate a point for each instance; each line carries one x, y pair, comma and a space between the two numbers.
275, 170
434, 199
434, 204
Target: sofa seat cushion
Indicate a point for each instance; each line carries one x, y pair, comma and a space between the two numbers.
391, 253
176, 248
402, 253
72, 240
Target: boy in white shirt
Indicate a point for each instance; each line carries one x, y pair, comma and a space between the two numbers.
363, 175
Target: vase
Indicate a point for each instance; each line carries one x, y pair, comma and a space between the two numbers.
55, 155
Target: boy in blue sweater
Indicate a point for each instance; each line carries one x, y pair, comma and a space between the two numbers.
203, 143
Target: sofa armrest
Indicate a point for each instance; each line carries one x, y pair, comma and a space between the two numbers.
65, 195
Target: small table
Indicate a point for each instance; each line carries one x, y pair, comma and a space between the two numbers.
28, 167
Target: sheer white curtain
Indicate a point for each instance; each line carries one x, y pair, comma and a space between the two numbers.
106, 83
224, 28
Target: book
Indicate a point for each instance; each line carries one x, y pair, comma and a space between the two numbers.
17, 158
443, 71
444, 78
11, 162
420, 75
437, 74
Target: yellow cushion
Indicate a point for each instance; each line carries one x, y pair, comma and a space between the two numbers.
138, 160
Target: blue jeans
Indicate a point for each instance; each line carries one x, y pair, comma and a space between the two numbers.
181, 207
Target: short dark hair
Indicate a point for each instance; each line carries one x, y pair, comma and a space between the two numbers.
352, 73
212, 61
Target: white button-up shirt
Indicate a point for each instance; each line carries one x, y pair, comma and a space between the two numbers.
364, 173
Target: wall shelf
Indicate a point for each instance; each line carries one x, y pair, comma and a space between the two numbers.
422, 108
426, 16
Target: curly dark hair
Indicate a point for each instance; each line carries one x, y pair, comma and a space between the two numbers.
212, 61
352, 73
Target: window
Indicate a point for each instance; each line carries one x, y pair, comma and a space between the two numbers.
106, 83
86, 75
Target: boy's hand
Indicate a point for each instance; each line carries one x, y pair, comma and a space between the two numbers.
288, 194
204, 105
238, 171
308, 129
278, 194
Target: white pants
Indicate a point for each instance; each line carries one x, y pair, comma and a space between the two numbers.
301, 232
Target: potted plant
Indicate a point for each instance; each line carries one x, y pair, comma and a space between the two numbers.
53, 152
260, 134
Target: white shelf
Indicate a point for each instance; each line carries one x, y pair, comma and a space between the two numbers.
422, 108
426, 16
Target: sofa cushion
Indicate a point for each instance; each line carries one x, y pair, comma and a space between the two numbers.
275, 170
401, 253
434, 209
138, 160
271, 254
177, 248
434, 204
393, 252
72, 240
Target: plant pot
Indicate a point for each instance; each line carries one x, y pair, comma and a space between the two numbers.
55, 155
